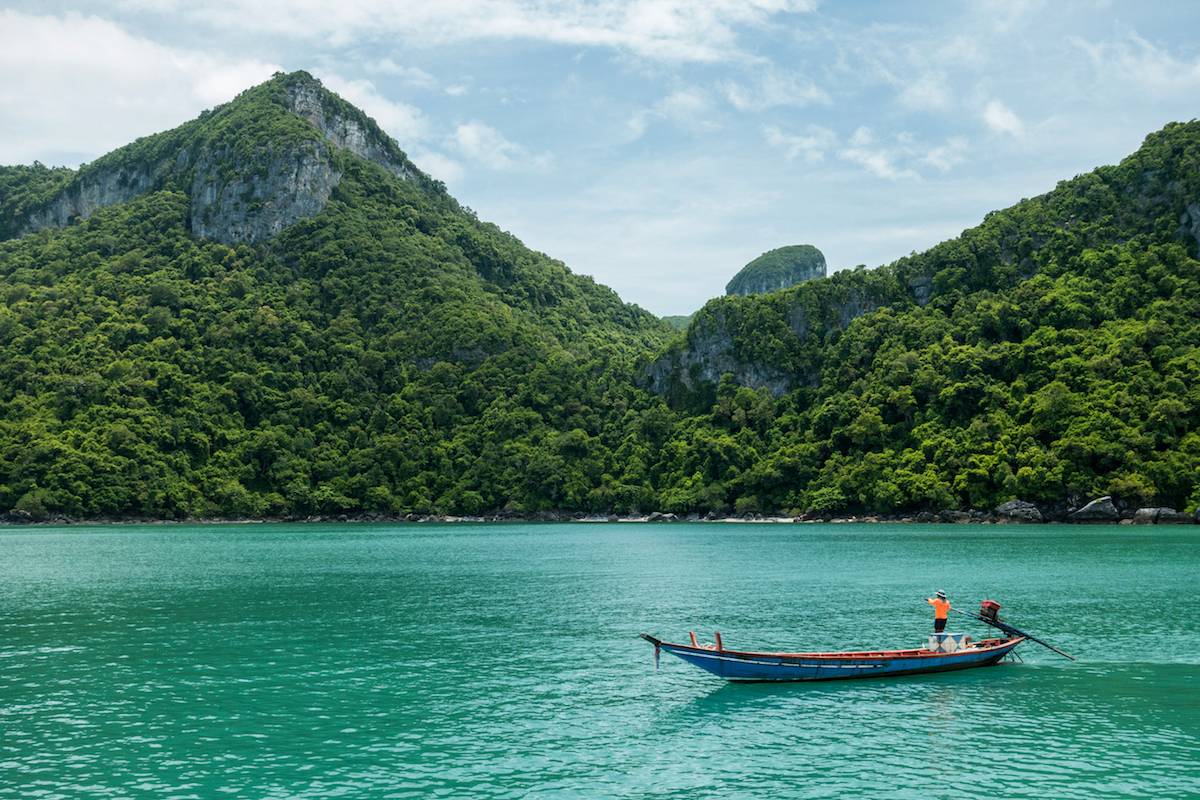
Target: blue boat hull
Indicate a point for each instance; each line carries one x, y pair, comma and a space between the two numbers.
741, 666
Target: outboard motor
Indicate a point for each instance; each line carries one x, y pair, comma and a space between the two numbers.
988, 610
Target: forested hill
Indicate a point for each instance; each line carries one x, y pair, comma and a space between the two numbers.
271, 311
1051, 353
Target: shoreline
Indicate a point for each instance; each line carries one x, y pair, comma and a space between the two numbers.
924, 518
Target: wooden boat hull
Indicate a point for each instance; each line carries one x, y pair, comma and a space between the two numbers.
748, 666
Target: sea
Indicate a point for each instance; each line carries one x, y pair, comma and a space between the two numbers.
503, 661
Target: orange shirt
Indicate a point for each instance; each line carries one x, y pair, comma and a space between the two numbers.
941, 608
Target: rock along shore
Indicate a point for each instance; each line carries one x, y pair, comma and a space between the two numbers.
1099, 511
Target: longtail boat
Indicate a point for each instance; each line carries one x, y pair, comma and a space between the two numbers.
741, 665
945, 652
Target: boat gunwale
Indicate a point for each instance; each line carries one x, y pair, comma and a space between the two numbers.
842, 656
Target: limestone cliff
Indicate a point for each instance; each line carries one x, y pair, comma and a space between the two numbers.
243, 186
772, 341
781, 340
710, 352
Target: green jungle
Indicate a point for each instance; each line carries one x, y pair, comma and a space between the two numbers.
391, 353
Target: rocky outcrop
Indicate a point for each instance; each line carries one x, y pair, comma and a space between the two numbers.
1019, 511
1189, 223
1169, 516
254, 205
712, 349
708, 355
921, 288
237, 195
1161, 516
91, 193
347, 130
1145, 516
1099, 510
778, 269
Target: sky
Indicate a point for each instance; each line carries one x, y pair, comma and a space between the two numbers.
656, 145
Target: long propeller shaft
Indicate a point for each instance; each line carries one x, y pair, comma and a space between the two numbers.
1009, 629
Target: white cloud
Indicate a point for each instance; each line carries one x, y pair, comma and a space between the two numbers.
487, 146
411, 76
876, 162
812, 145
637, 123
928, 92
1135, 62
685, 106
945, 157
893, 159
690, 108
1008, 14
405, 123
771, 90
667, 30
1001, 119
442, 167
864, 151
79, 86
862, 137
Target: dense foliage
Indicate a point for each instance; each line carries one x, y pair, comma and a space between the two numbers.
395, 354
1057, 356
23, 188
678, 321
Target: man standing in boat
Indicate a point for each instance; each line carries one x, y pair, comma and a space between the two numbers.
941, 610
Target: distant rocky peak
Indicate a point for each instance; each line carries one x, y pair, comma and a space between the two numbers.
778, 269
343, 125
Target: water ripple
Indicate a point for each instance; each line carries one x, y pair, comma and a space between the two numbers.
501, 662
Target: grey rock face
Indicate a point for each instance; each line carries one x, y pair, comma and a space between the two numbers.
1189, 222
1161, 516
710, 351
778, 269
1019, 511
921, 288
1145, 516
241, 198
1169, 516
1099, 510
305, 101
253, 206
84, 198
709, 356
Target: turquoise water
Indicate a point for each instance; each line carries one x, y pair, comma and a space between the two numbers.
272, 661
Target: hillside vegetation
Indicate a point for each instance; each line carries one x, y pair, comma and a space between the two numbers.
387, 351
1049, 354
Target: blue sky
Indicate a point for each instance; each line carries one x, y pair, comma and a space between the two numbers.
656, 145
